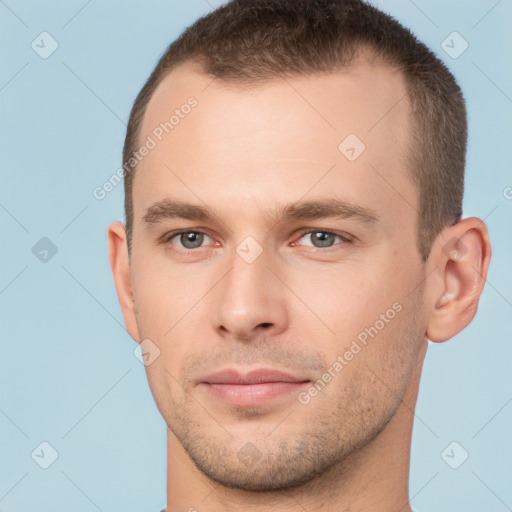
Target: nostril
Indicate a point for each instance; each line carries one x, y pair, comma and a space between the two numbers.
266, 324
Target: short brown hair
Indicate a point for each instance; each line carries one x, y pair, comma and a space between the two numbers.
250, 41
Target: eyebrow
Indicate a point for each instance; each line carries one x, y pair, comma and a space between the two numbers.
302, 210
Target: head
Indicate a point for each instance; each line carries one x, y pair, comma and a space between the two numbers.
301, 214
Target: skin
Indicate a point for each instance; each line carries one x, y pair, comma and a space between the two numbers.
245, 153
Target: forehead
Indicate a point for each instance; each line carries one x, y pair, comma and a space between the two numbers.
283, 135
364, 96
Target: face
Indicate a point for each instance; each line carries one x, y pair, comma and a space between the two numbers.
274, 266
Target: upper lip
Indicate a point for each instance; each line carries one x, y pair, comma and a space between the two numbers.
231, 376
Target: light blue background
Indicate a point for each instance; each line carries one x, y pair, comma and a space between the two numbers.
68, 375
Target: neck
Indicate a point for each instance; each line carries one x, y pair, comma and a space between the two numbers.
375, 477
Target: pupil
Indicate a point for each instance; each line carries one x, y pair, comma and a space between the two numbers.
324, 239
191, 240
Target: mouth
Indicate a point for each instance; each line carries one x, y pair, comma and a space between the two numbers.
255, 388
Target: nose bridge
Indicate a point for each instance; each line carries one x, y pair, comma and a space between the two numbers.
250, 298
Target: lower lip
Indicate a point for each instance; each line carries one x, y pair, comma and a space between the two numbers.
252, 394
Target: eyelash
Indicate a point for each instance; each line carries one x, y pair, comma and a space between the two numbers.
345, 237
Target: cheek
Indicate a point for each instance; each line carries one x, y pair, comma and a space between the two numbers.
393, 341
163, 295
348, 297
370, 318
378, 363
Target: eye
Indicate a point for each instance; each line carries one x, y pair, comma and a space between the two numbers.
188, 239
321, 239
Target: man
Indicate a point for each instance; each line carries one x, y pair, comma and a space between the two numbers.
293, 239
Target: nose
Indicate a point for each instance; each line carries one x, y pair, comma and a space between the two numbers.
250, 301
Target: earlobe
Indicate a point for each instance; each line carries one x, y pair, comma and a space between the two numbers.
461, 254
120, 265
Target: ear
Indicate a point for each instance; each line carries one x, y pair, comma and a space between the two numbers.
460, 257
120, 265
